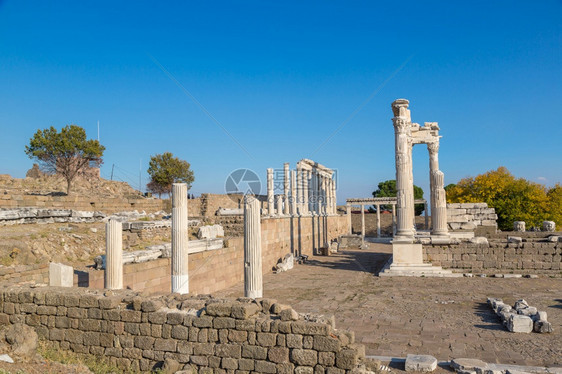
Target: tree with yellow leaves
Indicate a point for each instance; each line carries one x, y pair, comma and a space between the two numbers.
514, 199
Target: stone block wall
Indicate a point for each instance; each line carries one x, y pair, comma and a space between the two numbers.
16, 274
498, 256
469, 216
80, 203
214, 270
208, 335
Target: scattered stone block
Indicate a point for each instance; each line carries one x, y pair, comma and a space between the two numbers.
549, 226
514, 239
542, 326
519, 226
60, 275
420, 363
520, 323
468, 364
210, 232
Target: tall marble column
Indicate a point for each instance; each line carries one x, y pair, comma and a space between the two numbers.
305, 191
270, 192
404, 185
433, 150
180, 277
393, 219
293, 198
335, 197
439, 216
312, 192
279, 204
348, 212
114, 255
299, 189
286, 188
253, 284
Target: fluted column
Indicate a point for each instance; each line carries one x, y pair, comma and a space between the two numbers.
299, 190
253, 284
286, 188
114, 255
404, 185
433, 150
439, 216
334, 197
180, 277
293, 198
306, 190
279, 204
270, 198
378, 220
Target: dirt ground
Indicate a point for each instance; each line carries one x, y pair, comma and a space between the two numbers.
444, 317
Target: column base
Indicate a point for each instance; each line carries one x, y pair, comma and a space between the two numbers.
180, 284
407, 261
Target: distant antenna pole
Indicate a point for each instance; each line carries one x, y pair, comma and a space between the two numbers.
98, 131
140, 171
113, 167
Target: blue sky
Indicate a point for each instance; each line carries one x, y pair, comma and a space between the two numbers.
281, 77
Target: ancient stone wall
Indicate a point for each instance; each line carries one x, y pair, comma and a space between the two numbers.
210, 335
80, 203
532, 256
214, 270
17, 274
469, 216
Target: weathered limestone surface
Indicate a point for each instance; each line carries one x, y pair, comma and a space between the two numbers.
519, 226
423, 363
253, 283
139, 333
180, 277
60, 275
210, 232
549, 226
468, 216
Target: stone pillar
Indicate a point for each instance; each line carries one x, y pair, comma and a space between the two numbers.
313, 192
334, 197
299, 189
305, 191
293, 193
180, 277
113, 255
440, 213
363, 221
253, 284
348, 212
270, 192
393, 219
279, 204
433, 150
426, 215
286, 188
323, 195
378, 220
404, 185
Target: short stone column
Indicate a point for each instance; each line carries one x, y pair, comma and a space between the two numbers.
279, 204
378, 220
293, 198
180, 277
519, 226
270, 193
253, 284
286, 188
404, 187
439, 216
113, 279
363, 221
348, 212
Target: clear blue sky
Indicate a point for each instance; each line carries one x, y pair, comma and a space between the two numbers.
281, 77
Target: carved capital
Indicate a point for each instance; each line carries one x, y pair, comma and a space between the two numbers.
401, 126
433, 148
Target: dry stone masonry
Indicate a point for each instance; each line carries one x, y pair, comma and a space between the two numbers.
205, 334
469, 216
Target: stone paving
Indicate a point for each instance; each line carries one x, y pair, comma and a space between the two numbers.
444, 317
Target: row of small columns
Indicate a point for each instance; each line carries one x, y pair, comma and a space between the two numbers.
305, 192
378, 205
253, 283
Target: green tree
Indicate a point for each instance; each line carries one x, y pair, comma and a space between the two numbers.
67, 152
388, 189
514, 199
165, 169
